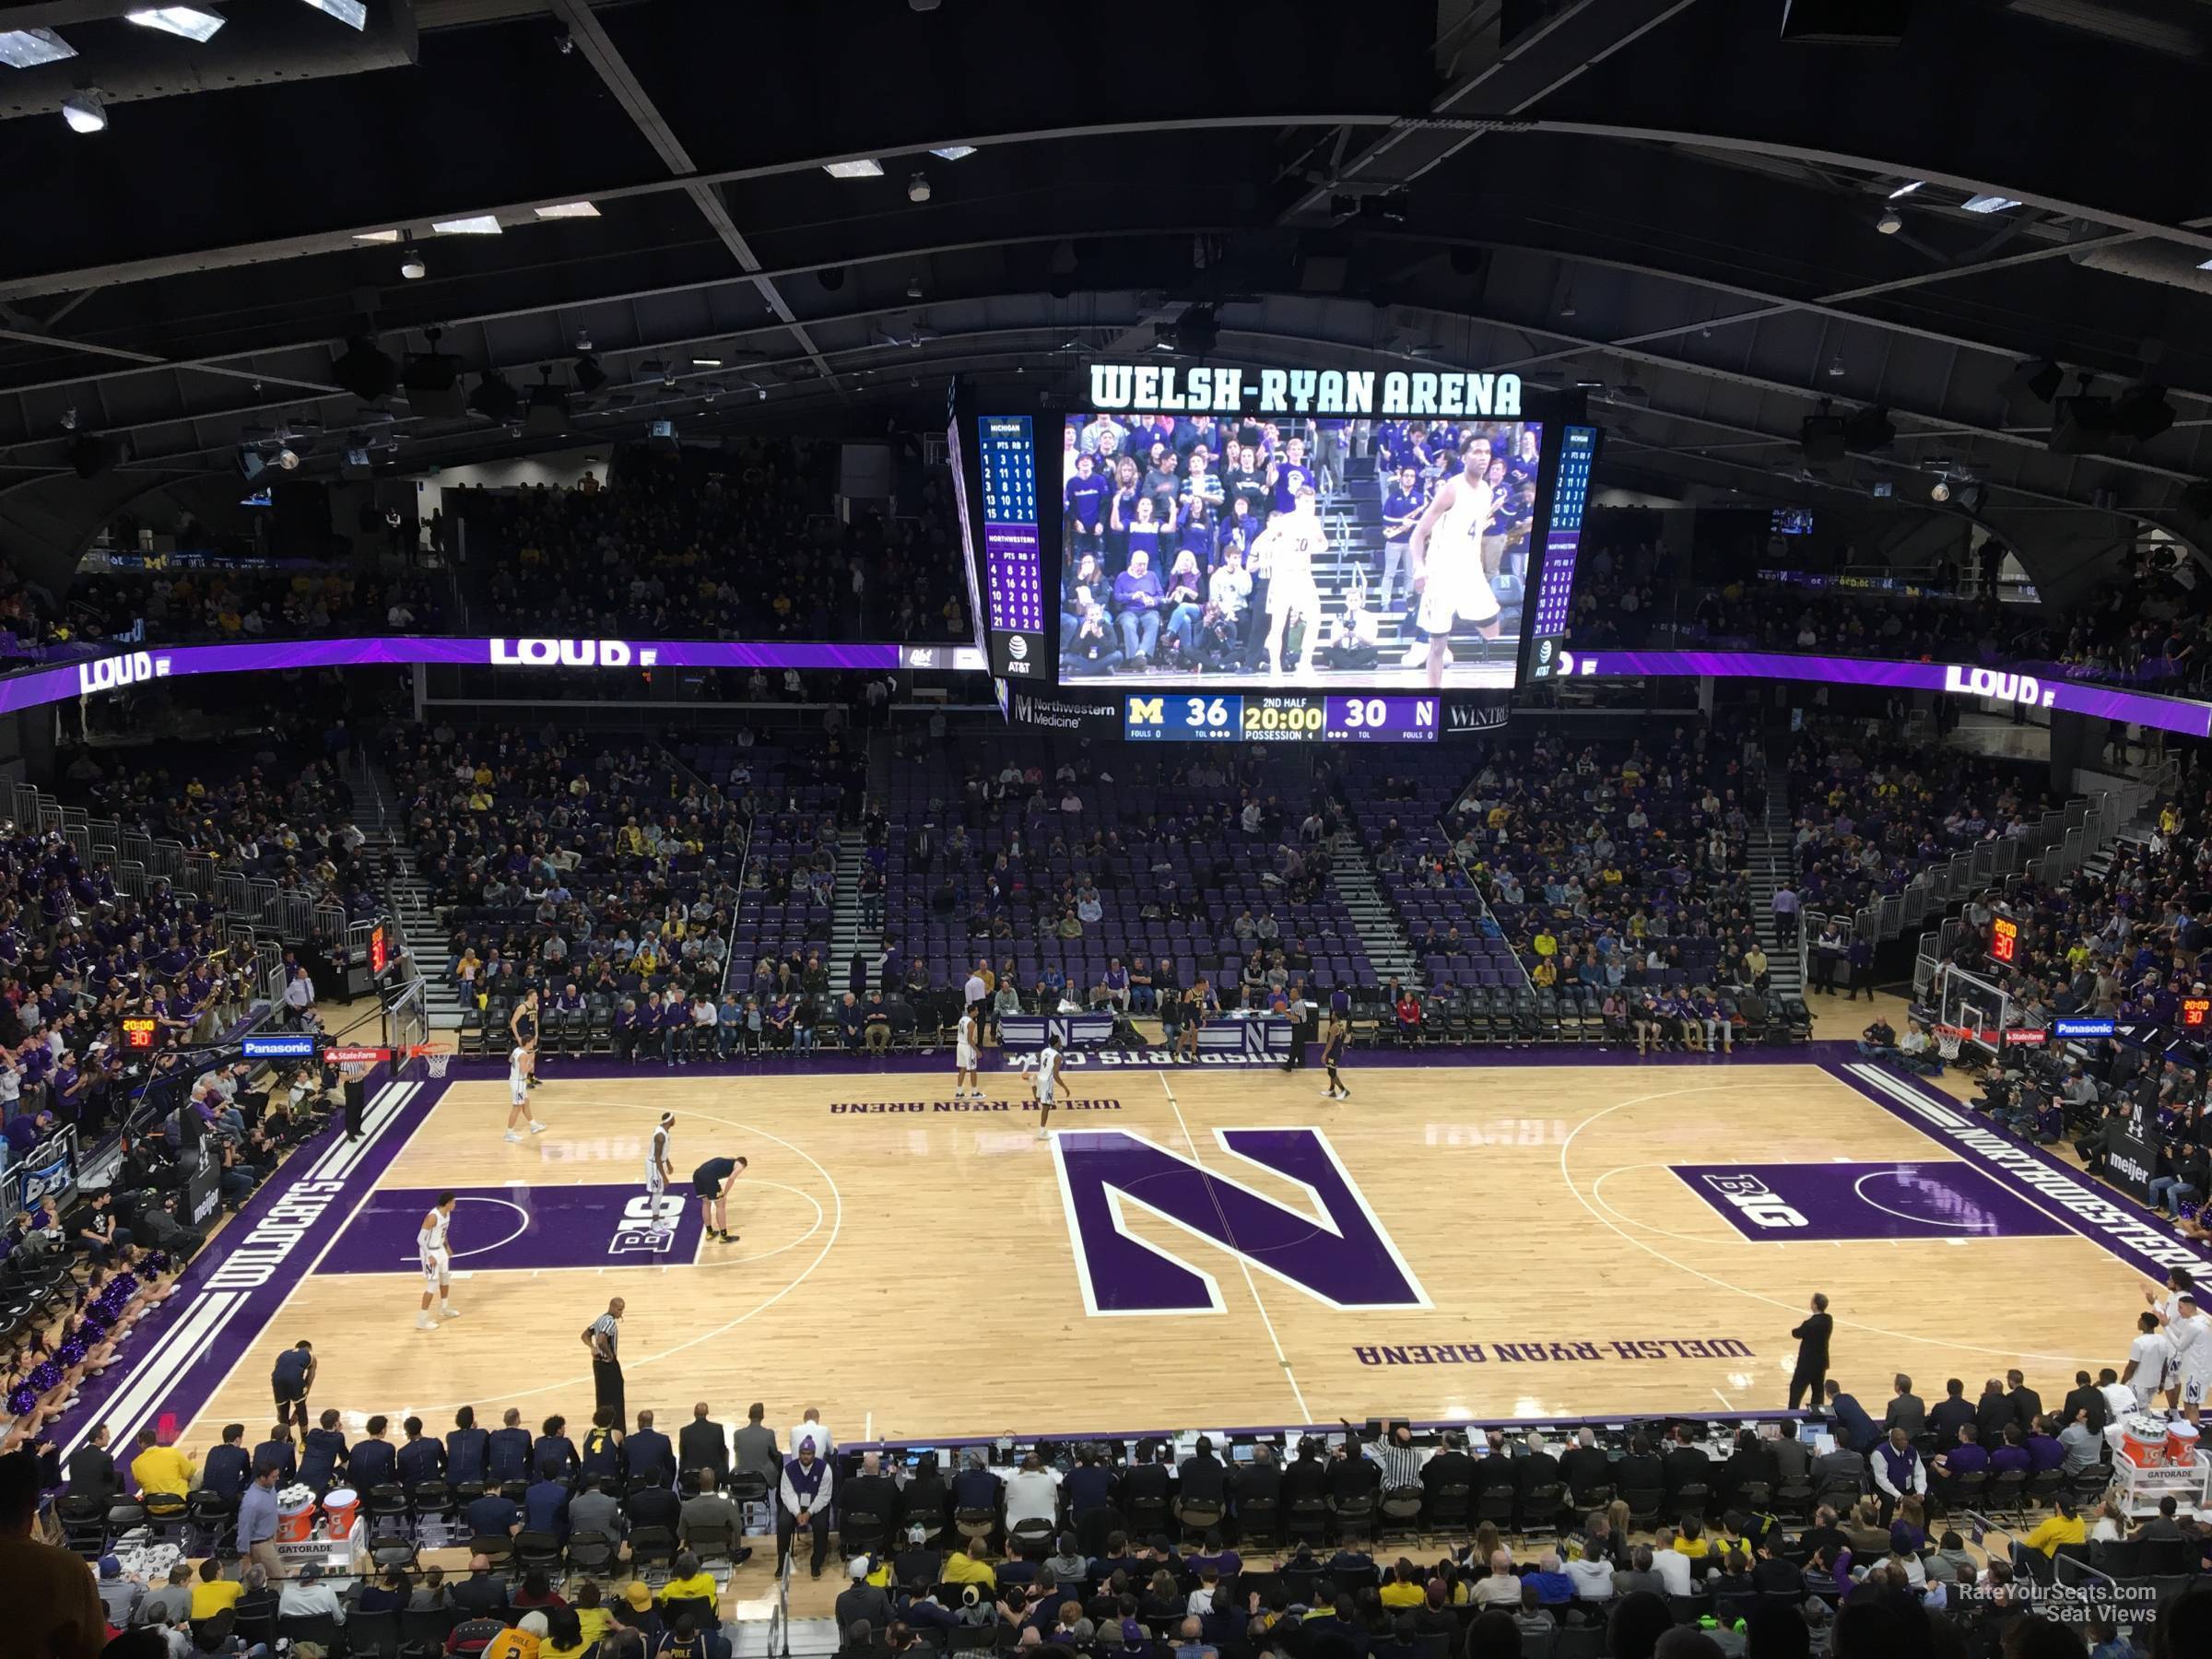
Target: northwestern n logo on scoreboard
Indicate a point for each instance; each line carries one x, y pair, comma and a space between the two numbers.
1332, 1247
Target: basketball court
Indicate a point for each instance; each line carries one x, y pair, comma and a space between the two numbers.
1192, 1247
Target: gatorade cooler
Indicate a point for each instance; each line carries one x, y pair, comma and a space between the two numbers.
2180, 1445
2143, 1440
294, 1522
340, 1505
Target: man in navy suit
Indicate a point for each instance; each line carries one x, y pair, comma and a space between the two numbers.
545, 1505
228, 1466
649, 1452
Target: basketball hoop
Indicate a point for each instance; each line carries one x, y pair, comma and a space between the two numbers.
437, 1063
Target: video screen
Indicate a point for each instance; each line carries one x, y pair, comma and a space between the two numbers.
1337, 553
1793, 521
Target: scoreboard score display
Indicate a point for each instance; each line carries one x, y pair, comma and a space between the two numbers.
1231, 717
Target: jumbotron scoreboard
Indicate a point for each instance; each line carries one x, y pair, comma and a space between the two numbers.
1231, 717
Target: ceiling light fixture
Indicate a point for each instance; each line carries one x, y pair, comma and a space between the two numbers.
1906, 189
351, 13
705, 363
1941, 491
583, 339
917, 188
411, 265
560, 210
28, 48
376, 236
954, 152
1835, 367
478, 224
1891, 223
188, 21
1988, 204
913, 288
86, 111
866, 168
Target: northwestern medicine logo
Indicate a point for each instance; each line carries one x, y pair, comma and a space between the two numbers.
1154, 388
572, 653
1332, 1247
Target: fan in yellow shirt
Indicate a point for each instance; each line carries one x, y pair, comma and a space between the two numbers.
2065, 1526
159, 1468
213, 1594
961, 1568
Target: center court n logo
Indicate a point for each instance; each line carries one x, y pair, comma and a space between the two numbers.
1333, 1249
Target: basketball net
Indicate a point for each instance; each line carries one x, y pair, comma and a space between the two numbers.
436, 1062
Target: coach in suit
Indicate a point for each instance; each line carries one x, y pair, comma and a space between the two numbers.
757, 1451
1950, 1414
649, 1455
92, 1468
593, 1514
1812, 1334
2027, 1405
1905, 1410
701, 1444
1993, 1413
2087, 1397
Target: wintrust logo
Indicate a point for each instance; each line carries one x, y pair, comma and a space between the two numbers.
572, 653
1761, 1204
112, 673
2022, 688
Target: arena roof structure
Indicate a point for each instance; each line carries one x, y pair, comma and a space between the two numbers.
1973, 233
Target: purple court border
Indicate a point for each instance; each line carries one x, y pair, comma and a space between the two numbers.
180, 1354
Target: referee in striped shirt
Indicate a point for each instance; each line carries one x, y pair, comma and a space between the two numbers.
1399, 1459
601, 1337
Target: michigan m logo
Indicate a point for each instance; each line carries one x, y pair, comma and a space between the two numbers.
1333, 1249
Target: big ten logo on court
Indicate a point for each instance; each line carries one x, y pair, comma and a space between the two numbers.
1498, 1132
1331, 1246
2022, 688
1759, 1203
110, 673
647, 1226
572, 653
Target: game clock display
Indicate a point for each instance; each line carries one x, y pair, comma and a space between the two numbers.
1228, 717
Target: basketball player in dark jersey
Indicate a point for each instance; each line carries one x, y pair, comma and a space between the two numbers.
1333, 1044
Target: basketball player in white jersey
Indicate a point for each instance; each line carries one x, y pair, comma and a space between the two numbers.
2191, 1335
657, 1171
1046, 1081
2166, 1309
1290, 542
1446, 557
437, 1264
518, 1094
964, 1081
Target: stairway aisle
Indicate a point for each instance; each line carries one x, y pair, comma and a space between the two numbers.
1772, 853
406, 896
1382, 935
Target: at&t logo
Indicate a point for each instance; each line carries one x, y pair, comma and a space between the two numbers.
572, 653
1760, 1202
